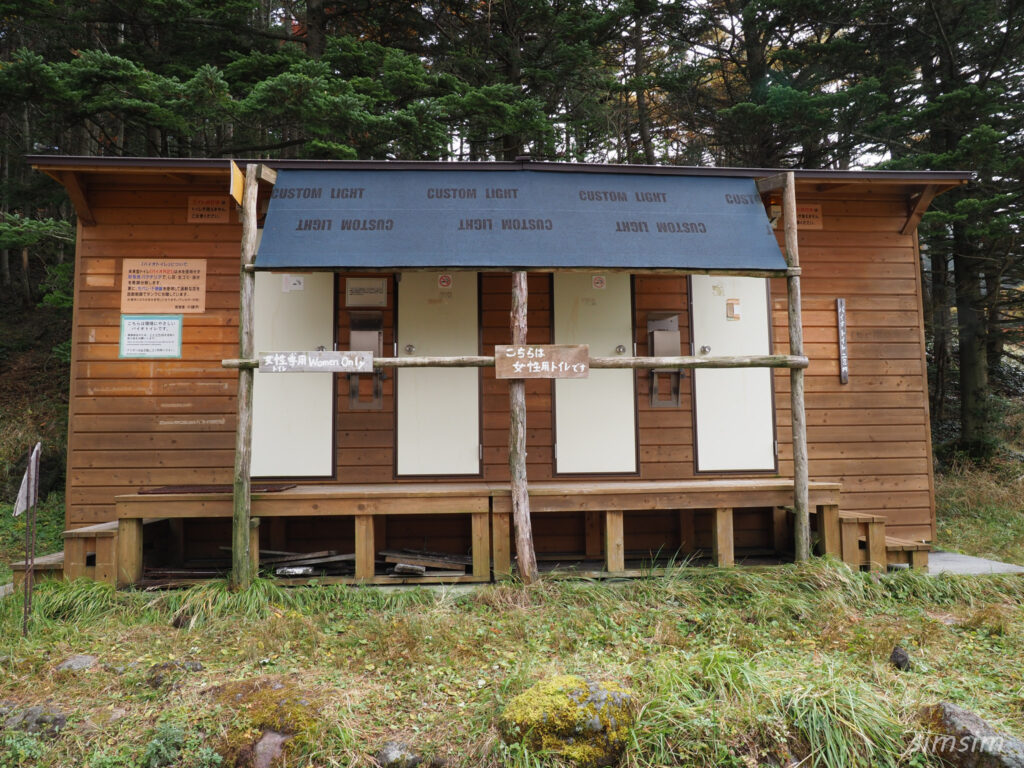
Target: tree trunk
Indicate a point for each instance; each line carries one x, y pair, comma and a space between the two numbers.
525, 554
642, 112
975, 435
316, 28
993, 330
941, 324
26, 285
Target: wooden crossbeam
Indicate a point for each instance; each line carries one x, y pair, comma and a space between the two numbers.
918, 205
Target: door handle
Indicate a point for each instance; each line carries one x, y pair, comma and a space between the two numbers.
620, 350
410, 349
705, 349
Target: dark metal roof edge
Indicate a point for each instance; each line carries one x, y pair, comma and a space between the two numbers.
172, 165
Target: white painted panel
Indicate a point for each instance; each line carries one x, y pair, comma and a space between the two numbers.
293, 413
438, 408
734, 416
595, 418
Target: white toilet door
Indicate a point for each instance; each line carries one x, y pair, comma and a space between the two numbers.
438, 408
595, 418
733, 407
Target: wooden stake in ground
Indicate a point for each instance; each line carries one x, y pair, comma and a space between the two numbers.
241, 564
28, 497
801, 513
527, 558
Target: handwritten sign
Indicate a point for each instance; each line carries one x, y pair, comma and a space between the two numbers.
208, 209
154, 336
844, 355
542, 361
163, 285
316, 362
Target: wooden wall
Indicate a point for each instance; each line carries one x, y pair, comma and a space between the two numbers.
138, 424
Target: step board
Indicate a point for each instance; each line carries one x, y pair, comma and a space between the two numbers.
45, 567
905, 552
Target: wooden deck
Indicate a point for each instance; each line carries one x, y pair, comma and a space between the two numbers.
606, 505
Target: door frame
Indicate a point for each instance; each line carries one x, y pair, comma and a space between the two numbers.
774, 470
636, 410
397, 277
333, 476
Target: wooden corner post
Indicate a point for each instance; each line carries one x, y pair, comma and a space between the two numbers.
241, 563
801, 512
527, 558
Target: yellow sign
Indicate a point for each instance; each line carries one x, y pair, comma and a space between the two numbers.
237, 182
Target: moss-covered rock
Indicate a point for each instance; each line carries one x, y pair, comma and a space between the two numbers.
586, 722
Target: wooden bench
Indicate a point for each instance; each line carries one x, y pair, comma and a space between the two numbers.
369, 505
614, 499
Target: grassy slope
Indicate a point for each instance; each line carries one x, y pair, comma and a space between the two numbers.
737, 668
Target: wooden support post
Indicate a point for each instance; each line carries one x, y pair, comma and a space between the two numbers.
919, 560
850, 546
687, 535
828, 520
801, 494
724, 548
780, 530
525, 553
254, 546
501, 540
592, 532
129, 551
481, 547
105, 559
241, 571
366, 552
74, 558
877, 553
614, 546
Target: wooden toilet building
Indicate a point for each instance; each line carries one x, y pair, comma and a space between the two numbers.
710, 363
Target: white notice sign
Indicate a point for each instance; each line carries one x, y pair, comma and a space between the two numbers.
154, 336
315, 362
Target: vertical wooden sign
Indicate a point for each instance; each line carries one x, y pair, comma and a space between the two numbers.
844, 357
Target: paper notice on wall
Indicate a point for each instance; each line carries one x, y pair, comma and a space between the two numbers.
150, 336
163, 285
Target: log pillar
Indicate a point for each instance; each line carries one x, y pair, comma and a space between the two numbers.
517, 442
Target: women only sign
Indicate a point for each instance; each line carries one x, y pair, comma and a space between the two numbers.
316, 362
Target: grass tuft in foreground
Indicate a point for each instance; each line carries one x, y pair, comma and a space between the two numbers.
741, 667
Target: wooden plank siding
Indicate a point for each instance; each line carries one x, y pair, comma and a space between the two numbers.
143, 423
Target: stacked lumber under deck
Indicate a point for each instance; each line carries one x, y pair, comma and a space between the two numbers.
113, 552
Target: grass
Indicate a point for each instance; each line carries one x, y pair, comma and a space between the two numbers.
49, 530
745, 668
980, 511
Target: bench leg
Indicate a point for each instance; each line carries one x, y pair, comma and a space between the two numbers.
129, 551
828, 519
850, 549
593, 534
919, 560
74, 558
687, 537
481, 547
876, 547
724, 548
501, 537
254, 546
105, 558
615, 551
365, 551
780, 530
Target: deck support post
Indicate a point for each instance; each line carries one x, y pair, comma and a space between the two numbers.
129, 551
801, 511
527, 558
724, 547
241, 563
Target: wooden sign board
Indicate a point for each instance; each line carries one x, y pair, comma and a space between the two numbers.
208, 209
150, 336
163, 285
844, 354
542, 361
316, 362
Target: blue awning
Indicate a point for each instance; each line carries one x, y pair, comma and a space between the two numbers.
371, 219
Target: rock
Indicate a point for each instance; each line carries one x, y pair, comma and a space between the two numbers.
44, 720
265, 752
395, 754
899, 658
159, 673
77, 662
583, 721
962, 739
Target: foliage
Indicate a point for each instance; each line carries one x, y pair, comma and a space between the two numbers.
49, 532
